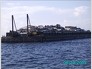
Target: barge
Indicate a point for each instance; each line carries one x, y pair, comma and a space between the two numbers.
43, 33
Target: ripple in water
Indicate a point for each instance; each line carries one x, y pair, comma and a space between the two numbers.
46, 55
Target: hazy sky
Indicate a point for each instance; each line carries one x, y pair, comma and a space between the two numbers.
68, 12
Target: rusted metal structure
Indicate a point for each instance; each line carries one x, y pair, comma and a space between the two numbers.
42, 35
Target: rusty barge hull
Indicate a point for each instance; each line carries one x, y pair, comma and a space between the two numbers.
46, 37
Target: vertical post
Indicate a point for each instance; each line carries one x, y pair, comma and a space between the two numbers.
27, 24
12, 24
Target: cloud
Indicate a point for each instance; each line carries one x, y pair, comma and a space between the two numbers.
34, 9
80, 10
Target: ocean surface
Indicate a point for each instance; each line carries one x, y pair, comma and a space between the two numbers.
46, 55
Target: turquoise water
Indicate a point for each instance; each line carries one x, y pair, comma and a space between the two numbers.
46, 55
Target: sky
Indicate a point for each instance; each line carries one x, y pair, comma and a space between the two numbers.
64, 12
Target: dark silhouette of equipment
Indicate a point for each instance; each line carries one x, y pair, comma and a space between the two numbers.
12, 32
28, 24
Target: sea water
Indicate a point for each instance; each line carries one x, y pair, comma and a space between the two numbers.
71, 54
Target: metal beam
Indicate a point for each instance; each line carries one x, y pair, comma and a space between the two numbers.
27, 24
12, 23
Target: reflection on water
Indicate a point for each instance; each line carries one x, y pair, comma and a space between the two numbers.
46, 55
